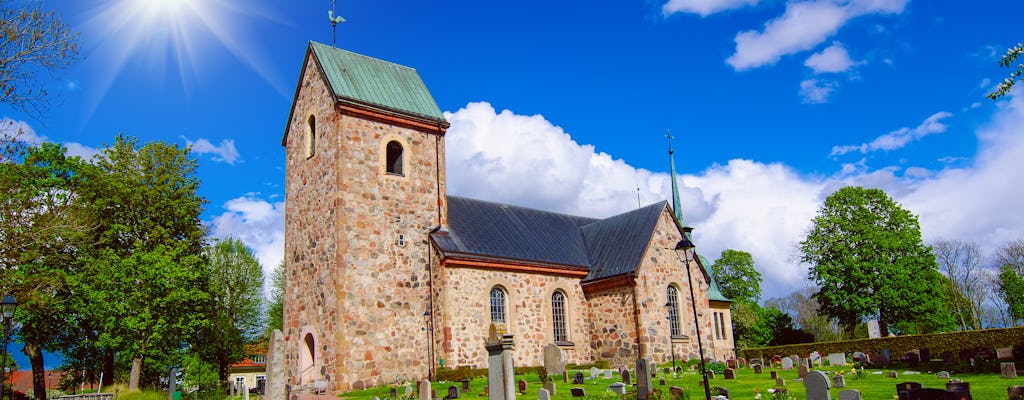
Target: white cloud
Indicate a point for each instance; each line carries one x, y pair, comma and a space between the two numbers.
832, 59
816, 91
256, 222
225, 152
23, 132
703, 7
899, 138
803, 26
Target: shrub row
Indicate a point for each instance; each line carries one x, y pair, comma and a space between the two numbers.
936, 343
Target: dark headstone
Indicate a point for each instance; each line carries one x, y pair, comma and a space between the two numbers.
911, 358
661, 381
732, 363
465, 384
780, 382
618, 388
729, 373
930, 394
668, 370
1015, 393
676, 392
757, 369
394, 393
926, 355
960, 390
1009, 370
907, 386
802, 371
453, 392
775, 374
743, 362
578, 392
565, 376
433, 393
626, 378
721, 391
522, 386
948, 358
577, 379
839, 381
711, 374
884, 357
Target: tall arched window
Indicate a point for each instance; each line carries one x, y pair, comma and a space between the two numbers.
311, 137
394, 158
498, 305
673, 311
558, 316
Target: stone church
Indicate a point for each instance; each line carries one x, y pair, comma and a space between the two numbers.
387, 277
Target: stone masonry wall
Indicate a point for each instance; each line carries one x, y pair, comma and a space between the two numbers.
465, 318
612, 327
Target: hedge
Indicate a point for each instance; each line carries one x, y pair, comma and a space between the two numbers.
936, 343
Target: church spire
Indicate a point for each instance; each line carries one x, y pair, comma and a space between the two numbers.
676, 204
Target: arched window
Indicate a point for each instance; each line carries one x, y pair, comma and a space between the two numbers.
311, 137
673, 311
498, 305
558, 316
394, 158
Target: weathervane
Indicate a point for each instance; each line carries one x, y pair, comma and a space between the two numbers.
334, 24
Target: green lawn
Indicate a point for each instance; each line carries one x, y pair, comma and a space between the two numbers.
873, 385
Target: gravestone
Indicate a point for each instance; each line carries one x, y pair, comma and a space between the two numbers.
850, 394
554, 361
892, 374
817, 385
1004, 353
815, 359
757, 369
873, 329
424, 389
860, 357
960, 390
594, 372
839, 381
578, 392
926, 355
501, 376
433, 393
904, 389
729, 373
787, 363
565, 376
711, 374
607, 374
942, 375
626, 379
775, 374
1015, 392
276, 380
1009, 370
802, 371
171, 375
394, 393
911, 358
550, 387
522, 386
948, 358
732, 363
543, 395
661, 381
721, 391
453, 392
668, 370
780, 382
618, 388
837, 359
676, 392
644, 367
756, 361
930, 394
465, 384
408, 391
742, 361
577, 379
796, 360
884, 357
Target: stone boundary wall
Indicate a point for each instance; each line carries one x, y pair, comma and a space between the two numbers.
936, 343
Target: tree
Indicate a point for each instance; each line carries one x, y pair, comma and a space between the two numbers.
275, 310
34, 41
804, 308
1010, 260
961, 262
868, 260
1011, 55
145, 285
737, 278
236, 290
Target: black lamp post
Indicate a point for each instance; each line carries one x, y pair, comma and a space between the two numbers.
671, 308
7, 307
683, 249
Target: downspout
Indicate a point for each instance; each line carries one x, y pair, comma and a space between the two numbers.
430, 253
641, 350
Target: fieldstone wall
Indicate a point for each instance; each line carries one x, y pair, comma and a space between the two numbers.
612, 326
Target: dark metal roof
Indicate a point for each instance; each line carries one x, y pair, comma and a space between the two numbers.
617, 244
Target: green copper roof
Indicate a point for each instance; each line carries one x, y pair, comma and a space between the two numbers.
713, 292
376, 83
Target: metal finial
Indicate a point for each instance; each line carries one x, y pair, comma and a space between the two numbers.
334, 24
668, 135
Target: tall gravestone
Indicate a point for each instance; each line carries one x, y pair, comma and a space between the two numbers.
644, 366
172, 374
1009, 370
874, 331
501, 376
275, 367
554, 361
425, 390
817, 385
837, 359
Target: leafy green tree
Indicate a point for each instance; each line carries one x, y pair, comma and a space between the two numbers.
145, 284
35, 40
804, 308
868, 260
236, 290
275, 310
1010, 260
1007, 61
737, 278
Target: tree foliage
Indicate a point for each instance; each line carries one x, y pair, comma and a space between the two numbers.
1007, 61
736, 276
236, 290
35, 41
1010, 260
966, 284
275, 309
804, 308
868, 260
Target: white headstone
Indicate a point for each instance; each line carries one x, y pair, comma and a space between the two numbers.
787, 363
594, 372
849, 394
837, 359
873, 330
618, 388
553, 359
543, 394
425, 390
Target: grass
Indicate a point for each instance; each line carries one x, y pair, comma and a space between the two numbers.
873, 384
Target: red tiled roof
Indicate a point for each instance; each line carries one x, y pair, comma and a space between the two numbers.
21, 381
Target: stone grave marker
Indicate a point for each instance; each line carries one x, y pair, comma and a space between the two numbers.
644, 368
607, 374
817, 385
757, 369
931, 394
1009, 370
729, 373
618, 387
1015, 392
408, 391
780, 382
675, 391
884, 357
711, 374
904, 389
912, 358
942, 375
787, 363
465, 384
721, 391
756, 361
565, 376
959, 389
276, 381
501, 376
394, 393
543, 395
839, 381
860, 357
873, 330
453, 392
424, 389
850, 394
594, 372
626, 379
926, 355
171, 375
732, 363
661, 381
522, 386
433, 393
815, 359
837, 359
578, 392
668, 370
554, 361
948, 358
802, 372
892, 374
1004, 353
550, 387
775, 374
577, 379
796, 360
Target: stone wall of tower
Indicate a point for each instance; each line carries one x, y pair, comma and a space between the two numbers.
356, 249
612, 326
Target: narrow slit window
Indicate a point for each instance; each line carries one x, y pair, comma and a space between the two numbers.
394, 158
311, 137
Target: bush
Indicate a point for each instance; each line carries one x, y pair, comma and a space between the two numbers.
460, 373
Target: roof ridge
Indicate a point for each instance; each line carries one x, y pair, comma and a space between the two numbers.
335, 48
526, 208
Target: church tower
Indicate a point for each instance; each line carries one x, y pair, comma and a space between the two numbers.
365, 186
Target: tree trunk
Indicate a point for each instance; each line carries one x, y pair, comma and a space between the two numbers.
108, 368
35, 358
133, 376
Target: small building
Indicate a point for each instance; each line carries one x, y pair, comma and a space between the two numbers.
251, 372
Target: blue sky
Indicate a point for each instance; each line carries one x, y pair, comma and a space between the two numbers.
564, 105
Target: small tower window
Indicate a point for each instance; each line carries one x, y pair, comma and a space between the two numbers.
311, 137
394, 158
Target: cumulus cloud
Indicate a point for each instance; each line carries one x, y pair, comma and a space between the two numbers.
816, 91
703, 7
832, 59
899, 138
225, 152
21, 131
803, 26
258, 223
